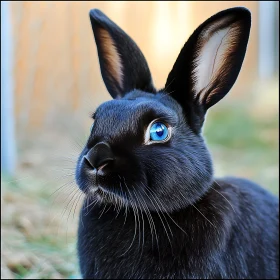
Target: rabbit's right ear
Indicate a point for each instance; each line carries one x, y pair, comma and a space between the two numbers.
123, 66
209, 63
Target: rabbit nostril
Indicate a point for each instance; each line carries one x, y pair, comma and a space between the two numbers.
99, 156
88, 163
98, 165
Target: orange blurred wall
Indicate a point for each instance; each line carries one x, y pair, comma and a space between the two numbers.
56, 64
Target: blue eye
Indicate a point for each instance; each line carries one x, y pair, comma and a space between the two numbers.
158, 132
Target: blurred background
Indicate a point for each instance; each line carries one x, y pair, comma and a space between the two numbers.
51, 83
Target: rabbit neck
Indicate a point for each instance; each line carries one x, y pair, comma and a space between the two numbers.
200, 230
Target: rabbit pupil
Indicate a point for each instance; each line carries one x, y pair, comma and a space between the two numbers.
159, 131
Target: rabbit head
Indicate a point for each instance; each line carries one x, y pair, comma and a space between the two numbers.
145, 148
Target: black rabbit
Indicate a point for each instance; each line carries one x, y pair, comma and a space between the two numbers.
153, 208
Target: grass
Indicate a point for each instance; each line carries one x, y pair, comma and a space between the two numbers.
39, 241
244, 145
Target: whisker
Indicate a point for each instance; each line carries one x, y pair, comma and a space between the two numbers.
65, 208
60, 188
203, 216
169, 85
143, 230
148, 214
94, 203
81, 194
102, 212
135, 229
158, 208
166, 212
222, 195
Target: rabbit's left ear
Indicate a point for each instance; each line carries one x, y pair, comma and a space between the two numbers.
123, 66
210, 61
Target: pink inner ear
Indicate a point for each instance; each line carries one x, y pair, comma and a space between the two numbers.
213, 61
112, 57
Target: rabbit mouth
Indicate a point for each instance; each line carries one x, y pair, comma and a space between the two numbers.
103, 195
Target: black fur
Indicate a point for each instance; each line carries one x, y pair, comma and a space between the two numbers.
156, 211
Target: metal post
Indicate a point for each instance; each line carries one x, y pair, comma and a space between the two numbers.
276, 24
267, 33
8, 149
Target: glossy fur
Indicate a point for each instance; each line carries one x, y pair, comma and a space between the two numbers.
156, 211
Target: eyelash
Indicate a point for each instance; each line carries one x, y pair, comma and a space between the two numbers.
92, 115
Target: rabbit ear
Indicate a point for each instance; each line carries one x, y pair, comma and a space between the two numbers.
123, 66
210, 61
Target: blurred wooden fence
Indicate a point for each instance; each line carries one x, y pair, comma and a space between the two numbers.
56, 67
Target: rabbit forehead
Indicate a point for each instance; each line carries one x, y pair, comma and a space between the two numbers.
134, 108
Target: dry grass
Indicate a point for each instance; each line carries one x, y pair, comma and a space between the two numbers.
38, 219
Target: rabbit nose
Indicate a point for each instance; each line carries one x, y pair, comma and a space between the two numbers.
99, 156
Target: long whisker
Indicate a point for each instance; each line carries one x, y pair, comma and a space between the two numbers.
169, 85
166, 212
75, 194
200, 213
148, 214
135, 229
204, 216
143, 229
222, 195
158, 209
94, 202
62, 187
151, 223
102, 211
138, 223
65, 208
81, 194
